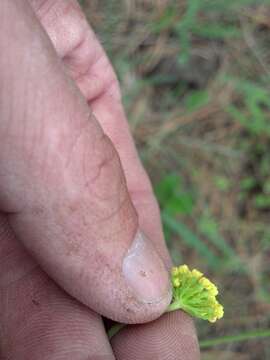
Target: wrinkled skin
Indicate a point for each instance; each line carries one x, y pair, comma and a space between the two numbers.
72, 196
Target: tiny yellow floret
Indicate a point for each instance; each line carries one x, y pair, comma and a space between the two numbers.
197, 273
195, 294
176, 282
209, 286
183, 269
175, 271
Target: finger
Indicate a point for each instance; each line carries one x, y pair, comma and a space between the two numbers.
89, 66
87, 63
63, 185
171, 337
38, 320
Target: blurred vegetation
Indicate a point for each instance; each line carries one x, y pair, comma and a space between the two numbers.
195, 81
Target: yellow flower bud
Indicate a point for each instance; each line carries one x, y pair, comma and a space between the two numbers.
197, 273
175, 271
176, 282
183, 269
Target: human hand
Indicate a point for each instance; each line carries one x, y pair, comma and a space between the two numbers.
70, 207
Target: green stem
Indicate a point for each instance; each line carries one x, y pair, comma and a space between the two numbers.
210, 342
176, 305
235, 338
115, 329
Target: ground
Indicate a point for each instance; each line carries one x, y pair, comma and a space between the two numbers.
195, 82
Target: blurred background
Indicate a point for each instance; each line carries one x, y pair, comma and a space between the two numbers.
195, 77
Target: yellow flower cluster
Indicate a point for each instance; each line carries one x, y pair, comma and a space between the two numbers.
195, 294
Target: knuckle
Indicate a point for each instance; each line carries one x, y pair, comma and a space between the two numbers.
106, 177
64, 23
106, 183
94, 162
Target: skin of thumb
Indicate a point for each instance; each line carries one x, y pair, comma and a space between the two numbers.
62, 184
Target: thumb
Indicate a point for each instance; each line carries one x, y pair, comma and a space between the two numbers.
62, 185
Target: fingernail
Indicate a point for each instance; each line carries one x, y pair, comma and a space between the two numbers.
145, 272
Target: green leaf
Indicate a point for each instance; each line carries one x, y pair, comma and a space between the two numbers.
209, 228
172, 196
237, 115
167, 188
182, 204
165, 21
248, 183
262, 201
222, 183
197, 99
190, 239
182, 29
216, 31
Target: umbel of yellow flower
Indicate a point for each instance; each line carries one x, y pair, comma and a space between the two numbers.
195, 294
